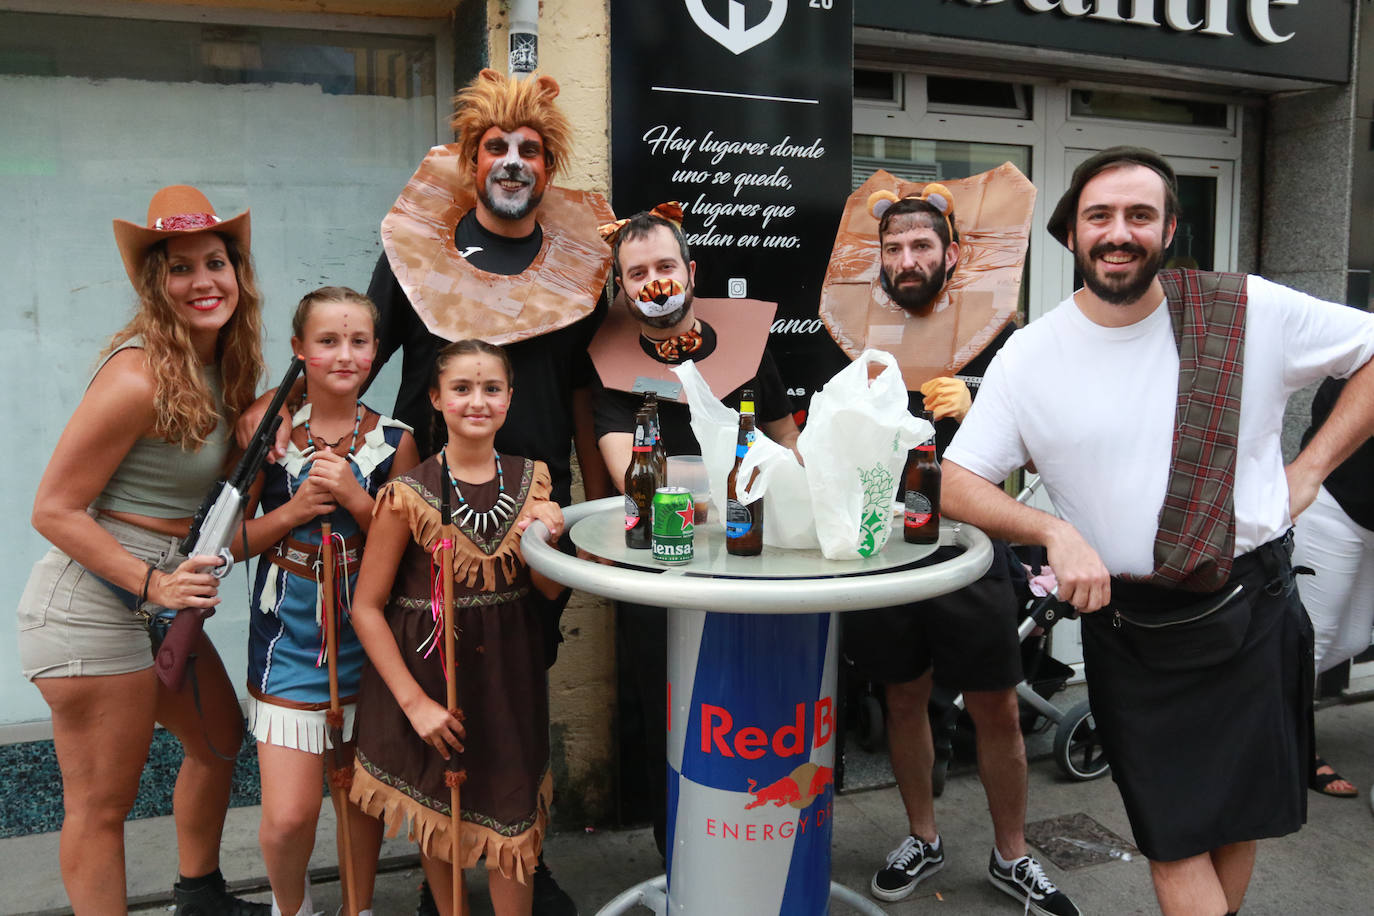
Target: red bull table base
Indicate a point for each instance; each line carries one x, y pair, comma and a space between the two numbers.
752, 718
751, 756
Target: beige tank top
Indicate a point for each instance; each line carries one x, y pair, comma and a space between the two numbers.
162, 480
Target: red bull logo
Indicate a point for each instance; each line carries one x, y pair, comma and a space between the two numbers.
719, 735
798, 789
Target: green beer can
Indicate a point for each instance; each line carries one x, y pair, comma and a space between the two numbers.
673, 525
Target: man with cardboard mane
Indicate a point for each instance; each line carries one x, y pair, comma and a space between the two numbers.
931, 274
481, 244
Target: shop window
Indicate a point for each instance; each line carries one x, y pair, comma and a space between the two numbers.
1127, 106
340, 63
878, 86
949, 94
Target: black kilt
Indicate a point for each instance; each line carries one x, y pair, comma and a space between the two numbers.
1216, 755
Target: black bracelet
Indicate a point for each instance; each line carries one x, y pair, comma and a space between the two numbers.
147, 580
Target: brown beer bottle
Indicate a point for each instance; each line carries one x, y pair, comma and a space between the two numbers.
921, 493
641, 480
743, 524
660, 455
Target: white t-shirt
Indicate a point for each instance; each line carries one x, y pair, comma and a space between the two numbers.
1094, 408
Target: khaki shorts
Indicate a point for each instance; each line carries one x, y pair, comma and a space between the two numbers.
70, 622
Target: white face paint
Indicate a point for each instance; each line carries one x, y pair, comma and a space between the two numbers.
511, 171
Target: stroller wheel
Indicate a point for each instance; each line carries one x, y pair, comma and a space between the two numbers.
1077, 748
869, 724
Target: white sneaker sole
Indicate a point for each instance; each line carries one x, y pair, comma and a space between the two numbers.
904, 892
1019, 895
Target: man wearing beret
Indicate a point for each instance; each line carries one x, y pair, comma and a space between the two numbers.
1151, 403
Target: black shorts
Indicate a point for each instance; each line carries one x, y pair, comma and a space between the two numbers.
968, 636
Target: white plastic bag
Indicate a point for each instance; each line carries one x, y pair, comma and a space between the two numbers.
787, 517
855, 445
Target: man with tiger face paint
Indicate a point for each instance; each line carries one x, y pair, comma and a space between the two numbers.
656, 323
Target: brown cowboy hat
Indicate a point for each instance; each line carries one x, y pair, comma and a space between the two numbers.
177, 209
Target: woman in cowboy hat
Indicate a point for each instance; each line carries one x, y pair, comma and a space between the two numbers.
148, 439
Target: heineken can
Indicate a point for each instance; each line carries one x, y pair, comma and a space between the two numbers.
673, 525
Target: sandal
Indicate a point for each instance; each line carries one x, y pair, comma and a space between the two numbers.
1321, 782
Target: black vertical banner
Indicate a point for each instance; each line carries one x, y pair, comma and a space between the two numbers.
742, 110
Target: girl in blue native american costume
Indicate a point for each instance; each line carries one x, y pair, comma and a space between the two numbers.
414, 745
340, 454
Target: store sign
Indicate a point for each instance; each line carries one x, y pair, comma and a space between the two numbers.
743, 112
1175, 14
1301, 39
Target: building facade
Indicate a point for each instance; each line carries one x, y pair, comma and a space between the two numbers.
315, 114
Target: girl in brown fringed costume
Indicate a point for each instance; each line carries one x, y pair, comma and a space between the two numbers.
405, 734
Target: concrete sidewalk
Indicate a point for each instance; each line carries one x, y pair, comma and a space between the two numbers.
1326, 868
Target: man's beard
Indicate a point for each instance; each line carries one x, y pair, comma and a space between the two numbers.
659, 322
509, 204
1119, 288
916, 299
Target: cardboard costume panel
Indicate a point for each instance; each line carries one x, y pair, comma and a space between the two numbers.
741, 327
992, 214
456, 300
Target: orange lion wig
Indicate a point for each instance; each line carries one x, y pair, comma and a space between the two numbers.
492, 100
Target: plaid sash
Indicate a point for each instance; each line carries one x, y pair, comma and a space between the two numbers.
1196, 540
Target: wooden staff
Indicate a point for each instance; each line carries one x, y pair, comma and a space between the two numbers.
453, 773
340, 777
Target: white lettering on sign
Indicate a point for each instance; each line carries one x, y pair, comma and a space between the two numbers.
1176, 14
1258, 12
737, 188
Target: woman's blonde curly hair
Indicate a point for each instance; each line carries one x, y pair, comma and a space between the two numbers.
492, 100
186, 410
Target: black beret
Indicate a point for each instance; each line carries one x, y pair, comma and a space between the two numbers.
1065, 212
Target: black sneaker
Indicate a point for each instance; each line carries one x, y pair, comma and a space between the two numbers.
1025, 880
212, 898
907, 866
549, 898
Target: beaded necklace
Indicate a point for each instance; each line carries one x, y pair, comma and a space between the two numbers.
500, 512
352, 447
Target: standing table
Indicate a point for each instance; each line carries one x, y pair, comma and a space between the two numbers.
752, 661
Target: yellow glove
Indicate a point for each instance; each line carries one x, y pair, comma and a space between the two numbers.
947, 397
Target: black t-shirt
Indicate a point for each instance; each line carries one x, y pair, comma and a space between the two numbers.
1350, 484
615, 410
971, 375
546, 368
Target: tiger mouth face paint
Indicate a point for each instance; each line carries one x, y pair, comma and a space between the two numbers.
661, 297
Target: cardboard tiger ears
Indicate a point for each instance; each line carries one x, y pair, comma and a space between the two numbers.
935, 194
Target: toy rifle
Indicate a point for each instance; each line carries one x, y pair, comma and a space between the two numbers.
212, 530
454, 774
